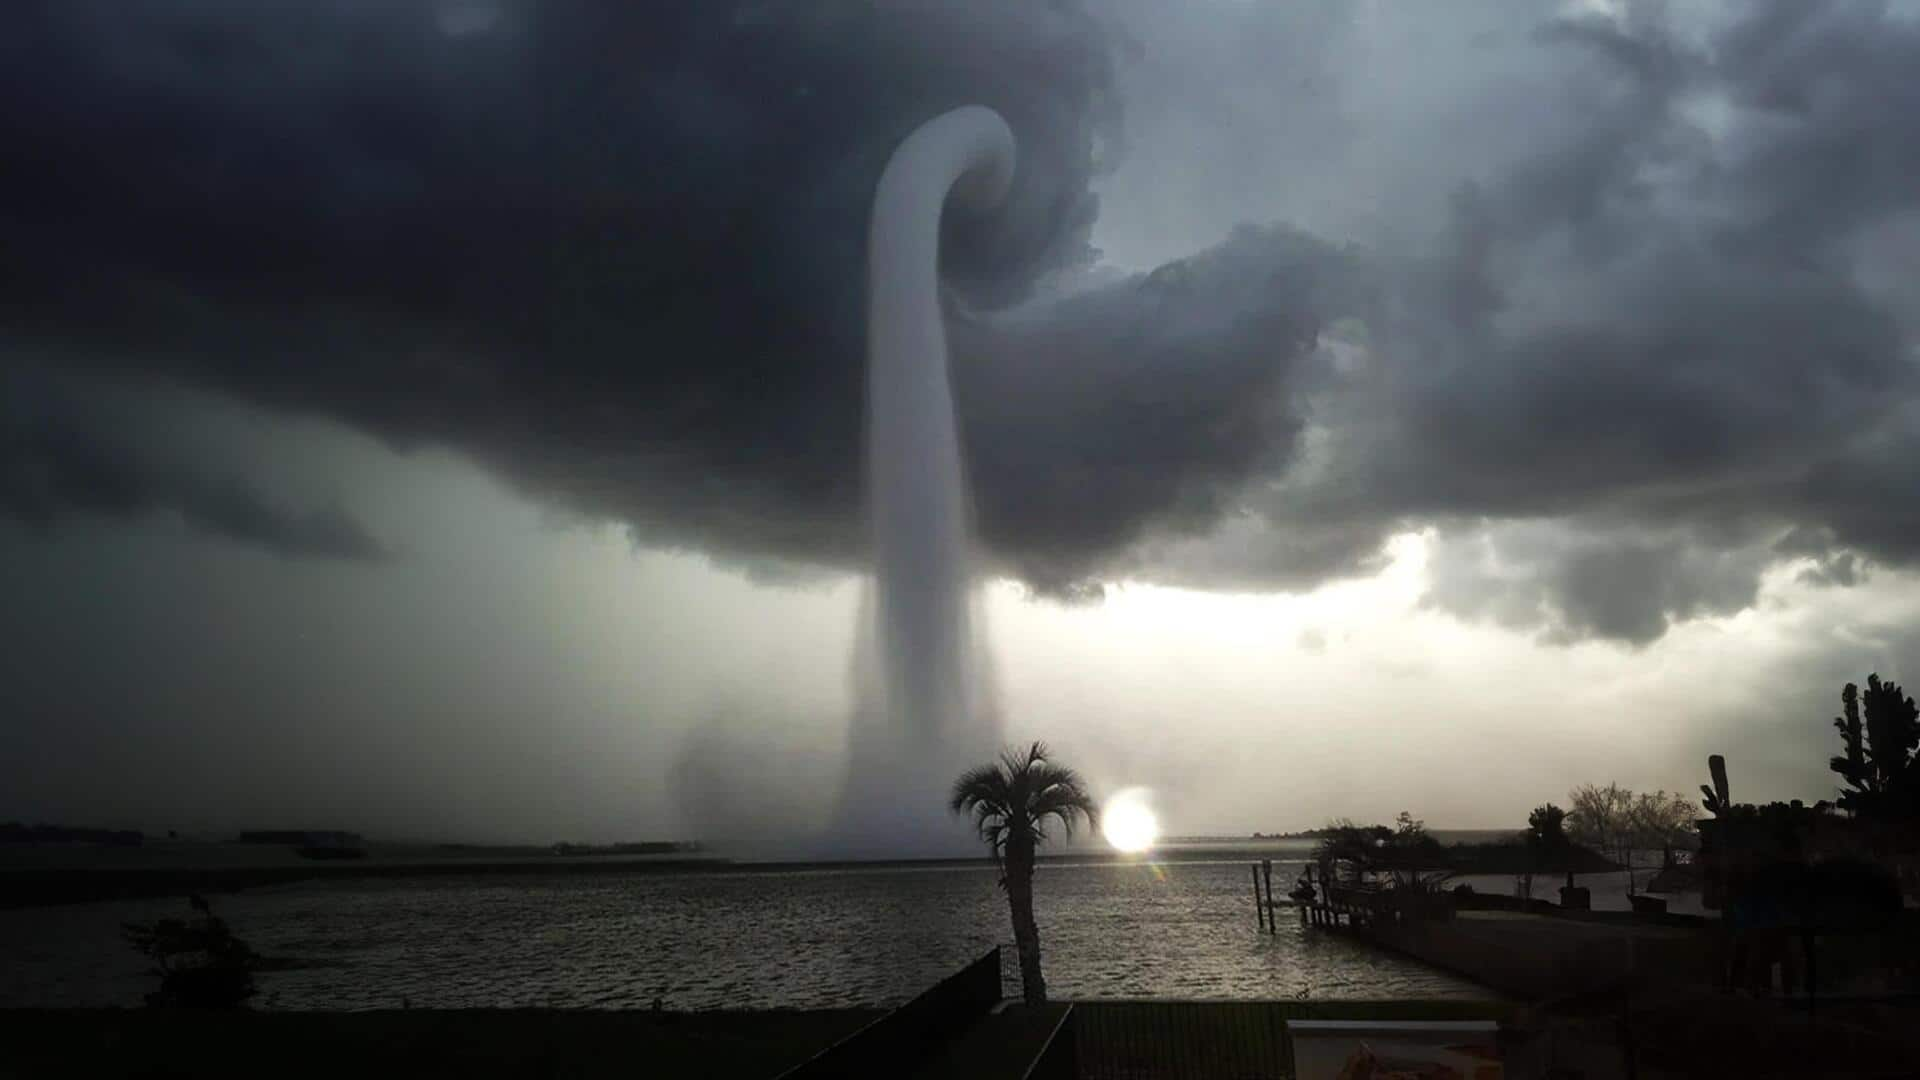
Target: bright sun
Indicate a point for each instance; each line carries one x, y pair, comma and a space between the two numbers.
1128, 822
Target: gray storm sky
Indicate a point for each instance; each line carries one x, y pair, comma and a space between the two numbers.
1610, 470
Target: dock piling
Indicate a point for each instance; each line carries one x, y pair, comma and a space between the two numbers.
1267, 865
1259, 907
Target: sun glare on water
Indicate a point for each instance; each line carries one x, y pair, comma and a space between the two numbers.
1128, 822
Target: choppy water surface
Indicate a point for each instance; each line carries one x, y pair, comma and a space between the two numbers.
736, 940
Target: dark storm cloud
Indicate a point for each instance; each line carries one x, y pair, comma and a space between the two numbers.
1141, 407
63, 454
1841, 570
1580, 579
1655, 335
614, 253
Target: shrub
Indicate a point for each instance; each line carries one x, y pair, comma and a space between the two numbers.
199, 961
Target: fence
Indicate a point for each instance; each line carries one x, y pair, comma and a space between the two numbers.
905, 1033
1239, 1040
1232, 1040
1059, 1059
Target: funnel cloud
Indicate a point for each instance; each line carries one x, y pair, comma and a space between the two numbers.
1613, 304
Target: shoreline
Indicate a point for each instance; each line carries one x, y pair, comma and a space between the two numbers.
46, 886
110, 878
32, 886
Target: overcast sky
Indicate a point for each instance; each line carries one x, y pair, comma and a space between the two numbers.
443, 419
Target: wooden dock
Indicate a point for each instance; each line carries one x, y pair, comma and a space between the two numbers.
1532, 954
1328, 905
1538, 957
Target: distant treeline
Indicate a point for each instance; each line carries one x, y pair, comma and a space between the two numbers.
301, 837
13, 832
1407, 850
1304, 834
1513, 857
638, 847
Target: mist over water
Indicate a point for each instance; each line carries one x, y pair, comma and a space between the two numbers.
922, 714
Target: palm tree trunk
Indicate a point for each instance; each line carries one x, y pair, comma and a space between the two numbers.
1026, 933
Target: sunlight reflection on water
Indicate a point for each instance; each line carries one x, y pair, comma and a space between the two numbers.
737, 940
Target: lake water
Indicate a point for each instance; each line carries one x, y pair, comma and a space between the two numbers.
809, 938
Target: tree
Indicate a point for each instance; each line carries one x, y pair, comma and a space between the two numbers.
1598, 816
1412, 850
199, 961
1601, 818
1409, 831
1616, 821
1547, 845
1010, 802
1660, 819
1546, 828
1348, 851
1360, 854
1880, 767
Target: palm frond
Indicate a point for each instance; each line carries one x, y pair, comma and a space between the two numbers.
980, 784
1048, 777
1068, 802
1011, 799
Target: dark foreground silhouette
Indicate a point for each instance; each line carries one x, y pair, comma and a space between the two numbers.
224, 1044
1705, 1037
1010, 803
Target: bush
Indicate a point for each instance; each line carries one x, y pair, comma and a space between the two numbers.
201, 964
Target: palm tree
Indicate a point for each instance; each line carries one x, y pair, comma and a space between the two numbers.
1881, 768
1010, 802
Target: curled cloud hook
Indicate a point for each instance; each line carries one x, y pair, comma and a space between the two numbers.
929, 700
